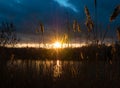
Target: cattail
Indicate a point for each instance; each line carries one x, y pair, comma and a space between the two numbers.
79, 28
115, 13
87, 12
118, 33
42, 28
89, 25
74, 25
89, 22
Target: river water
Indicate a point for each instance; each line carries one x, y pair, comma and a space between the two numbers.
58, 74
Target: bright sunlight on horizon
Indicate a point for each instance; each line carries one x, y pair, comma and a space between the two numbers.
57, 44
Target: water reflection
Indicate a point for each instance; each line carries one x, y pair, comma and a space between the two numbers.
54, 69
57, 69
56, 73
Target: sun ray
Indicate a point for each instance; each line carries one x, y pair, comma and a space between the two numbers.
57, 44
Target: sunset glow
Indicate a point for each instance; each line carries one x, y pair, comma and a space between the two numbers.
57, 45
48, 45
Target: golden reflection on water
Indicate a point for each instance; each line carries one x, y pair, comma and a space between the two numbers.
57, 69
39, 67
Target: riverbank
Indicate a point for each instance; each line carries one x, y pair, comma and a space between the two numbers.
55, 68
87, 53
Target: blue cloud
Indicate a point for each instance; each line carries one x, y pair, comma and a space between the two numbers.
67, 4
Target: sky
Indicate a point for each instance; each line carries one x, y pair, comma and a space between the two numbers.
27, 14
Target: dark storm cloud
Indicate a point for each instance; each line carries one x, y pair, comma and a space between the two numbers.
26, 14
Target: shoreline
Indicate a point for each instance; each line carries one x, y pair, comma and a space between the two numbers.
89, 53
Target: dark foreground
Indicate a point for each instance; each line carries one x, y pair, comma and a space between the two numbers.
59, 74
86, 67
